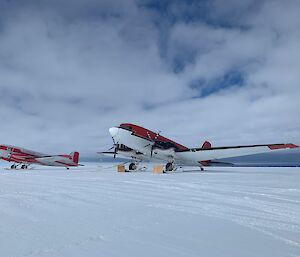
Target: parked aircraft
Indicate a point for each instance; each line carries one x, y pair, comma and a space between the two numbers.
23, 158
141, 144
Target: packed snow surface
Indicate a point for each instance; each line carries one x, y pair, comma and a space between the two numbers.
95, 211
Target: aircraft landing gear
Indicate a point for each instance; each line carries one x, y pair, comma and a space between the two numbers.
132, 166
201, 168
24, 166
13, 167
169, 166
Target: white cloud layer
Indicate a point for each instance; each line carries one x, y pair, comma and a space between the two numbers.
69, 70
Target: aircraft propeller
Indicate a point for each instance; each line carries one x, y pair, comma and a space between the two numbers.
115, 147
115, 150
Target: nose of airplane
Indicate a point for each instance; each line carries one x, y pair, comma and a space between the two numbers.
113, 131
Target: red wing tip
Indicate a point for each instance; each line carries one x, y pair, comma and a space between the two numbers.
205, 163
282, 146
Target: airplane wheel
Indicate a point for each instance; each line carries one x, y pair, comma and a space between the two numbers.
23, 167
202, 169
12, 166
169, 166
132, 166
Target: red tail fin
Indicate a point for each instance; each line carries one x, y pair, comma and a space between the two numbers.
75, 157
206, 145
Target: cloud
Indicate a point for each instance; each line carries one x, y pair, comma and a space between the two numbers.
196, 70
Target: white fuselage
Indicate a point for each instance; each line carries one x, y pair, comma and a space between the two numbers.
24, 156
125, 137
188, 157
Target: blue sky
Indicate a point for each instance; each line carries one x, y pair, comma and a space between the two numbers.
196, 70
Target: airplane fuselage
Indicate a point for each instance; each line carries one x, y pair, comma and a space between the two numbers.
27, 157
151, 145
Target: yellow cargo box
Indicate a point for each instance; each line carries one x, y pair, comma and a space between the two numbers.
158, 169
121, 168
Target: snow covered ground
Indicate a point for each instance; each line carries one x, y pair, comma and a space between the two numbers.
95, 211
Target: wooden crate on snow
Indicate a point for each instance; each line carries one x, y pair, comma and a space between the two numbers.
121, 168
158, 169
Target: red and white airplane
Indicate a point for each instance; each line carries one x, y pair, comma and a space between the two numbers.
142, 144
23, 157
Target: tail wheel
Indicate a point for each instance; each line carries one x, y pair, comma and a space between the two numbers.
132, 166
169, 166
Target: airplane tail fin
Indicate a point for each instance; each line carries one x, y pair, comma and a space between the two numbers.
206, 145
75, 157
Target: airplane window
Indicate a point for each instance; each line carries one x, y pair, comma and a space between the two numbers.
127, 127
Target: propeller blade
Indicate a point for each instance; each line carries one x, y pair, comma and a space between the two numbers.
115, 152
111, 148
153, 141
114, 141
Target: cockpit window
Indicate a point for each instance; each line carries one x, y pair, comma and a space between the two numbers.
126, 127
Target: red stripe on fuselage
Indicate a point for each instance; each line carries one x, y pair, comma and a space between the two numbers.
17, 151
20, 160
65, 156
66, 164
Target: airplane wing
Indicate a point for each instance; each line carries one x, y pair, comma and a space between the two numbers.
114, 155
206, 154
216, 163
129, 155
22, 152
